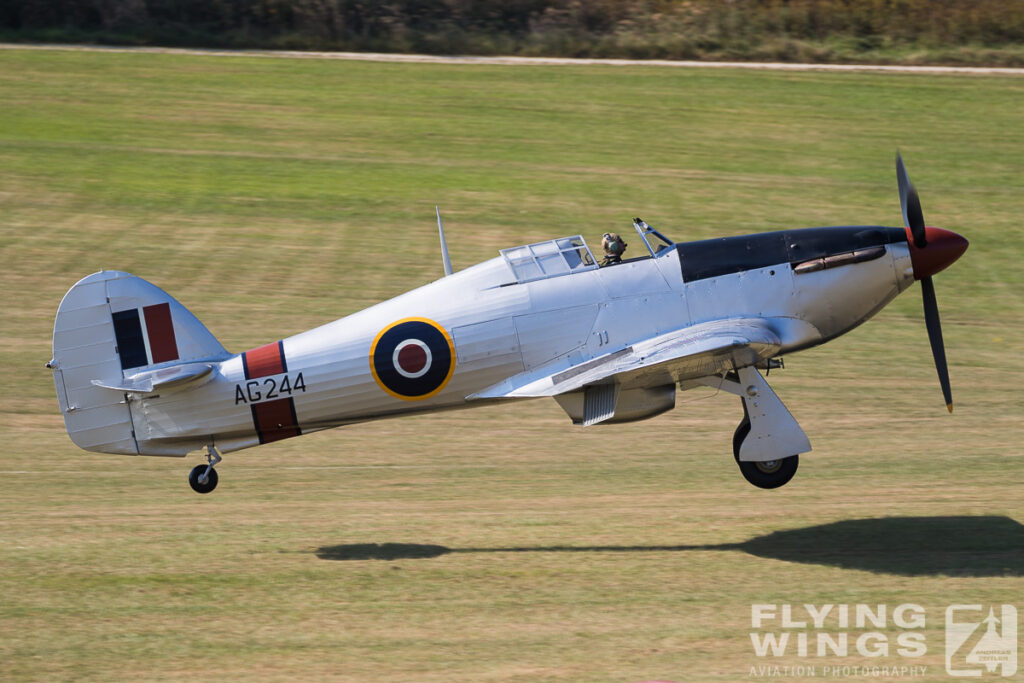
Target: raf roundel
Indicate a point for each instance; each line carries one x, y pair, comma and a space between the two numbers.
412, 359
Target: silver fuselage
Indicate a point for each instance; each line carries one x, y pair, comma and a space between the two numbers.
499, 327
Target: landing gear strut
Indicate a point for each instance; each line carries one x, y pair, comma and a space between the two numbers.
772, 432
203, 478
769, 474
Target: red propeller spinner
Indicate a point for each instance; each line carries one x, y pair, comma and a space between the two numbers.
942, 248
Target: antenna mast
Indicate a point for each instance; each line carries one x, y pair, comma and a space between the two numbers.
444, 245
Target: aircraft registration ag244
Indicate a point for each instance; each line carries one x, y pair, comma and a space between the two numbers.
137, 374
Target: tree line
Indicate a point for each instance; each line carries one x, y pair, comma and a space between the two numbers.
967, 31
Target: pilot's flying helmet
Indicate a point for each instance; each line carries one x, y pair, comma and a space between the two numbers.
613, 244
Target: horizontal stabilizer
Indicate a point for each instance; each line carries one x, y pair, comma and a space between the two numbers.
173, 377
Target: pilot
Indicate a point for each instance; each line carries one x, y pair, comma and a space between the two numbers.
613, 246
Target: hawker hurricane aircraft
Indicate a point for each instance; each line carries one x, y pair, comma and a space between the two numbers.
137, 374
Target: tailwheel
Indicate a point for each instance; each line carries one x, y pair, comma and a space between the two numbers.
203, 478
768, 474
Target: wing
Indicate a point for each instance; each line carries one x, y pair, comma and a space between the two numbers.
687, 353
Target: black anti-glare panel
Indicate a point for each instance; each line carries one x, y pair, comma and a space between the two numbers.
727, 255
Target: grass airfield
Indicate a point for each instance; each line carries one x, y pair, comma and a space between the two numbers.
501, 543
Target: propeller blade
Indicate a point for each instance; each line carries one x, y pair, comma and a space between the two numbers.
931, 320
913, 218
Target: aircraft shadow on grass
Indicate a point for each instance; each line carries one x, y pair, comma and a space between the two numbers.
908, 546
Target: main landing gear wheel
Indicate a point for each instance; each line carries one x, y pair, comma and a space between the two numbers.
770, 474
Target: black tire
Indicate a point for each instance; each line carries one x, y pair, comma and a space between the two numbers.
765, 475
211, 479
737, 438
771, 474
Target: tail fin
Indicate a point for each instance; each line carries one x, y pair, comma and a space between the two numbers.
112, 333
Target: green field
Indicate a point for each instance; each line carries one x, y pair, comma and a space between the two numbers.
272, 195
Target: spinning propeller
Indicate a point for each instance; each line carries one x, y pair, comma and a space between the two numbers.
931, 250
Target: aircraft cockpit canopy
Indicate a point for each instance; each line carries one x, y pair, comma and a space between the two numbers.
567, 255
552, 258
